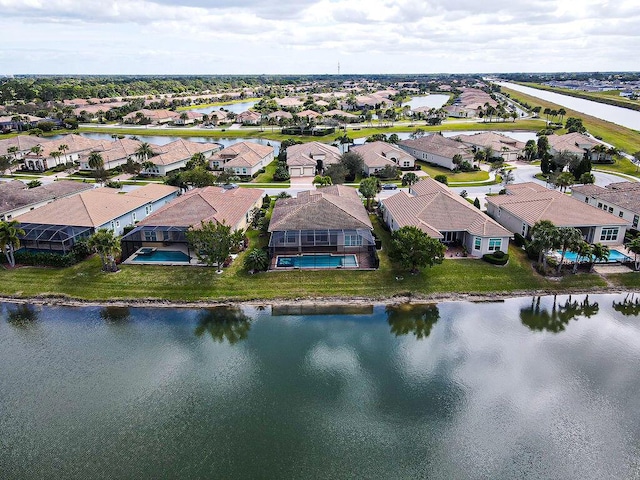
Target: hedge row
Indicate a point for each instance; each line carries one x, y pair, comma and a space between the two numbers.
496, 258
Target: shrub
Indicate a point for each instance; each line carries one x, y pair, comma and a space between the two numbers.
519, 240
496, 258
441, 179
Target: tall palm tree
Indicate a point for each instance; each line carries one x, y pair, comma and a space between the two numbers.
107, 245
634, 247
144, 152
10, 234
544, 235
584, 251
600, 253
562, 112
56, 155
568, 238
63, 148
13, 150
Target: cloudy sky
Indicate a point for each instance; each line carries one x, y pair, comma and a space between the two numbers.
312, 36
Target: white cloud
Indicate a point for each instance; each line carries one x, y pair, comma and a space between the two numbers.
311, 36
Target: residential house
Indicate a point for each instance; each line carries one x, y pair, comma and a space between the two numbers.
23, 144
309, 115
191, 118
217, 117
280, 115
621, 199
377, 155
438, 150
289, 102
76, 145
329, 220
458, 111
576, 143
59, 225
443, 214
175, 155
114, 153
244, 158
248, 118
528, 203
341, 115
167, 227
16, 198
146, 116
501, 145
307, 159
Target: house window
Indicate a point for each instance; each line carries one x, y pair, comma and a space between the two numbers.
113, 226
499, 211
147, 209
406, 164
524, 229
609, 234
495, 244
610, 209
244, 171
621, 213
133, 216
352, 240
117, 223
586, 199
635, 221
477, 243
599, 204
150, 236
290, 237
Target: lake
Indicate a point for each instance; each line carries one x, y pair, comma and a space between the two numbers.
433, 101
232, 107
610, 113
523, 388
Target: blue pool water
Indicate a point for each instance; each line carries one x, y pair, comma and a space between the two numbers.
162, 256
614, 256
316, 261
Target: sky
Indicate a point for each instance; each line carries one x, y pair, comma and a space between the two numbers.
314, 36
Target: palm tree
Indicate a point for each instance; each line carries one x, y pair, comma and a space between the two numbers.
256, 260
96, 161
600, 253
63, 148
584, 251
634, 247
564, 180
107, 245
568, 238
530, 150
544, 234
562, 112
10, 234
144, 152
56, 155
13, 150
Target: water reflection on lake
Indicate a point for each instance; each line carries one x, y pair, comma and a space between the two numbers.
542, 387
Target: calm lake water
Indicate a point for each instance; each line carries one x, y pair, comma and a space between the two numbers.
525, 388
431, 101
232, 107
620, 116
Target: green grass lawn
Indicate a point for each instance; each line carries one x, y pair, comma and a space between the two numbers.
137, 282
433, 170
267, 176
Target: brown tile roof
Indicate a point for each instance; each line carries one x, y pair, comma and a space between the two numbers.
438, 145
288, 102
532, 202
206, 204
180, 150
15, 194
496, 141
334, 207
434, 208
280, 114
571, 142
339, 113
243, 154
623, 194
96, 207
23, 142
308, 114
378, 154
302, 154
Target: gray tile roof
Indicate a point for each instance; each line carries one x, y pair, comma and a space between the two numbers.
15, 194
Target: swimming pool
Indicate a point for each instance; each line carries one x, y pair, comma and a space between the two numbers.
160, 256
614, 256
316, 261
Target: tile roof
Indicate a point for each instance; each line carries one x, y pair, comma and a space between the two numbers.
571, 142
333, 207
496, 141
23, 142
302, 154
623, 194
243, 154
379, 154
434, 208
532, 202
15, 194
96, 207
436, 144
180, 150
206, 204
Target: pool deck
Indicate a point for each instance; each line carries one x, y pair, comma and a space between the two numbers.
365, 262
131, 260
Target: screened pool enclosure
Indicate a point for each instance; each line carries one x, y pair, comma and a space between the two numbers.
55, 238
154, 236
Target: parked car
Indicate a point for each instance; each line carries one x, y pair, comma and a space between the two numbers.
230, 186
389, 186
